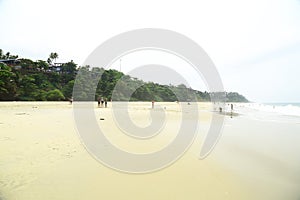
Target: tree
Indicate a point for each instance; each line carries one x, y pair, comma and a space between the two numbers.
49, 61
235, 97
55, 95
68, 89
31, 83
53, 56
8, 85
27, 64
7, 55
69, 67
42, 65
28, 90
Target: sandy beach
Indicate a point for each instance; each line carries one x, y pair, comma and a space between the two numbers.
41, 157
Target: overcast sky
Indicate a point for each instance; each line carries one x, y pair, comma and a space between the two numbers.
255, 45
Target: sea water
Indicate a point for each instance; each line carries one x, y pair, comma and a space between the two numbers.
261, 147
283, 112
292, 109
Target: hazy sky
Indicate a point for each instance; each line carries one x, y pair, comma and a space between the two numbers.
254, 44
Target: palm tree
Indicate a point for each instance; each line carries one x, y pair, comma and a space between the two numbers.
53, 56
7, 55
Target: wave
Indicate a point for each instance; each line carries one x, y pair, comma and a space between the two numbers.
290, 109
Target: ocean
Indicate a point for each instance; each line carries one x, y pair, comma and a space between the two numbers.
284, 112
290, 109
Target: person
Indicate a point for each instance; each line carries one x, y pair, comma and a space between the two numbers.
102, 101
71, 100
152, 104
98, 102
105, 102
231, 107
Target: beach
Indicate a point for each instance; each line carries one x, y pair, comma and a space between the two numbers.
42, 157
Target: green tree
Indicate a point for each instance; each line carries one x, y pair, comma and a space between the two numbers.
27, 64
8, 85
33, 82
27, 88
53, 56
69, 67
55, 95
42, 65
68, 89
7, 55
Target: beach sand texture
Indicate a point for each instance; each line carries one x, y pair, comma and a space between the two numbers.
41, 157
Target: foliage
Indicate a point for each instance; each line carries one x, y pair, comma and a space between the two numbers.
41, 81
236, 97
55, 95
8, 85
52, 56
7, 55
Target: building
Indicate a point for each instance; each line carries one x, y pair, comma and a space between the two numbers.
15, 63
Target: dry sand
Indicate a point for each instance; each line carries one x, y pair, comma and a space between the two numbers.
41, 157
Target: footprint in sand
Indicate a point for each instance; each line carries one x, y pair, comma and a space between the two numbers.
64, 151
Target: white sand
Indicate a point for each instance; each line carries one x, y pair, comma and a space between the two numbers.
41, 157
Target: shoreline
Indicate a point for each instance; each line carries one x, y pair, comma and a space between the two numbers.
41, 157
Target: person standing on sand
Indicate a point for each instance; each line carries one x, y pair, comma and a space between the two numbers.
98, 102
231, 106
105, 102
152, 104
102, 101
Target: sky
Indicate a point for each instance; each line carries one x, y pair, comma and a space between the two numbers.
255, 45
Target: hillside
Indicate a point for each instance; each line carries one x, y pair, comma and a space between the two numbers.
27, 80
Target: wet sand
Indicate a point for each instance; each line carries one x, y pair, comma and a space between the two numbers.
41, 157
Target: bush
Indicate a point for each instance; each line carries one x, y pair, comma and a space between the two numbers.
55, 95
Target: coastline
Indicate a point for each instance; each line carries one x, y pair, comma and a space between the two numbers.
41, 157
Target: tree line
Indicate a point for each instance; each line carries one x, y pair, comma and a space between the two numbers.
28, 80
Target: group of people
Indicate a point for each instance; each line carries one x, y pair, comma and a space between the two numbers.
102, 101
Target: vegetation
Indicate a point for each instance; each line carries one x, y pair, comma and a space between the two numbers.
6, 55
27, 80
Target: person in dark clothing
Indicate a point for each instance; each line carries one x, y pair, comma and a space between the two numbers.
98, 102
105, 102
102, 101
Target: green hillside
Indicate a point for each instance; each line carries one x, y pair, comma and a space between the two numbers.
27, 80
